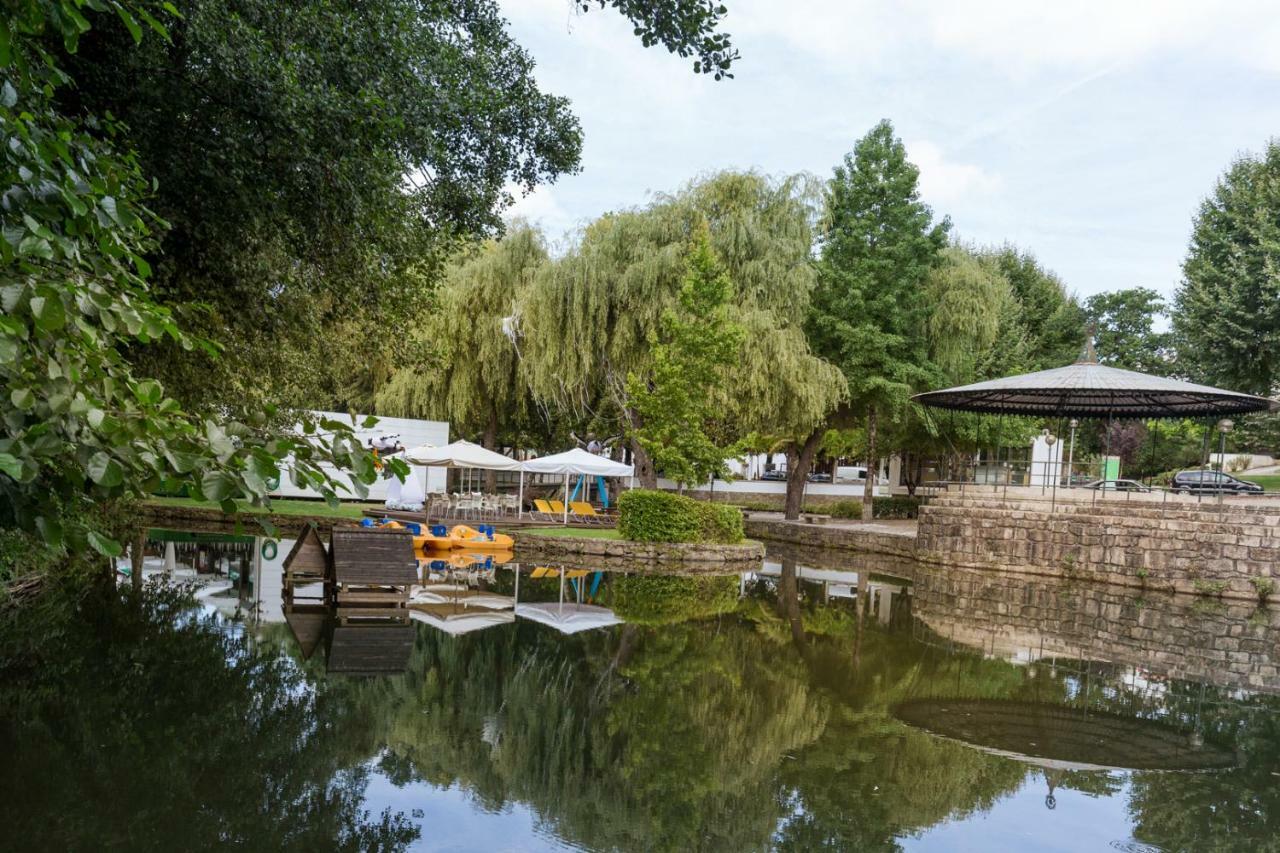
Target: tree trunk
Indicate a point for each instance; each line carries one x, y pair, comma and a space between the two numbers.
640, 457
873, 468
798, 466
488, 441
789, 600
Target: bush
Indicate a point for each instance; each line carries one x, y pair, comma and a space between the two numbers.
839, 509
653, 516
668, 599
719, 524
896, 506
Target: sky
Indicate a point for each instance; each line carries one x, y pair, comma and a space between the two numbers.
1087, 133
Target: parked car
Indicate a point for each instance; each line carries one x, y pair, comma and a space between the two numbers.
1212, 482
818, 477
1118, 486
775, 474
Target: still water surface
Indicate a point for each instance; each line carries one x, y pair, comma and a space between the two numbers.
826, 702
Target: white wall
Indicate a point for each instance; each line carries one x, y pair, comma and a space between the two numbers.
776, 487
412, 432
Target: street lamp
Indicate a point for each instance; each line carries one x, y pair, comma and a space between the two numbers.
1071, 453
1224, 427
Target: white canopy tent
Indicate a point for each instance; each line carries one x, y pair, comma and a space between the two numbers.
462, 454
569, 617
577, 461
457, 620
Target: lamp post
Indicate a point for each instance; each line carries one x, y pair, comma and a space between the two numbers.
1049, 441
1071, 452
1224, 427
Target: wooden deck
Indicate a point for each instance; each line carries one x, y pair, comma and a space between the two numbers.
370, 648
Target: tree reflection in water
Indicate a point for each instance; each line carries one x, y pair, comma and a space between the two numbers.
708, 721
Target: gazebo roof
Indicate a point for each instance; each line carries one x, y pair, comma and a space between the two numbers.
1091, 390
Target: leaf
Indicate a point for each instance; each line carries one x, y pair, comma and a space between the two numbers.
51, 530
105, 471
10, 465
130, 24
104, 546
149, 392
95, 417
217, 486
8, 95
22, 398
48, 312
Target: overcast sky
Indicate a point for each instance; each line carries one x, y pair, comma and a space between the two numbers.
1086, 132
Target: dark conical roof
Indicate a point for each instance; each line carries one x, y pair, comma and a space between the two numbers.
1092, 390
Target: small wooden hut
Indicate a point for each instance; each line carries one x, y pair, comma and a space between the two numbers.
306, 564
371, 568
375, 647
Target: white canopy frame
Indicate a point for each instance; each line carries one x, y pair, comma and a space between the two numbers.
576, 461
465, 454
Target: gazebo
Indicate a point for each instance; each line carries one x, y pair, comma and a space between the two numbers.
1087, 389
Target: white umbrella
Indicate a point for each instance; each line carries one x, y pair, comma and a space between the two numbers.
456, 620
569, 618
577, 461
461, 454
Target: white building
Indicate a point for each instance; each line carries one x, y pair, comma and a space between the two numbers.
410, 432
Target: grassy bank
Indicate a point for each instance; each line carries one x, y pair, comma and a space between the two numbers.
575, 532
282, 506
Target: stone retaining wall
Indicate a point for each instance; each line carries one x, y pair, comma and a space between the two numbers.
688, 556
1229, 549
829, 536
1231, 644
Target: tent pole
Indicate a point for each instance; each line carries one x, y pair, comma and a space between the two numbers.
566, 499
520, 499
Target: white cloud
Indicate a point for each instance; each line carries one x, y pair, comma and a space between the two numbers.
945, 182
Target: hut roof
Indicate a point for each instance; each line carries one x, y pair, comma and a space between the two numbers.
1089, 389
373, 556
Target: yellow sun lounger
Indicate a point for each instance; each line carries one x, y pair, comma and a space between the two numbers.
584, 511
543, 511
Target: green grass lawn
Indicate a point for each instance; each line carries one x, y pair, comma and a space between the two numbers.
576, 532
1270, 482
280, 506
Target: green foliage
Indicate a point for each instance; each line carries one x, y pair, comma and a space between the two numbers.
879, 246
687, 388
611, 290
1264, 587
1126, 336
718, 523
646, 515
668, 599
684, 27
897, 506
473, 376
1227, 311
1044, 326
80, 426
838, 509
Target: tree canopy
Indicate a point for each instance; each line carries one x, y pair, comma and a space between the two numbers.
1227, 315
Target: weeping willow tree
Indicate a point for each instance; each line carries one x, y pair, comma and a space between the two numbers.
589, 317
473, 374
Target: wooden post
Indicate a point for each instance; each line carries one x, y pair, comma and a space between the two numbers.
136, 558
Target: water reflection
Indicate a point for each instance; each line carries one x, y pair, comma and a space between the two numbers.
811, 704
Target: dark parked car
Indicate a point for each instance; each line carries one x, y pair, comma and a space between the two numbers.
1118, 486
1212, 482
819, 478
775, 474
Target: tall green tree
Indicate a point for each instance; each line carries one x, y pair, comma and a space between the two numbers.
1125, 335
1047, 322
687, 390
869, 310
472, 374
1227, 310
80, 427
588, 320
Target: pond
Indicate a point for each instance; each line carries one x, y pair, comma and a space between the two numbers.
826, 701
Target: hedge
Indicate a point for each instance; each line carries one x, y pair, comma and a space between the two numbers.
652, 516
668, 599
